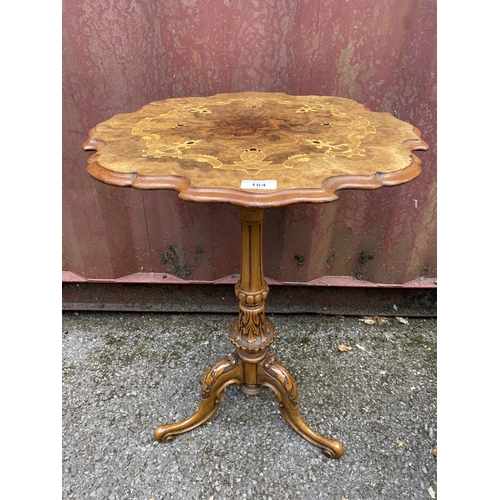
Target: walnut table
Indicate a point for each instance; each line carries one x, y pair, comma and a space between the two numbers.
254, 150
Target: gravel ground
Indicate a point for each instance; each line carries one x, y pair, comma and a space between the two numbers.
126, 373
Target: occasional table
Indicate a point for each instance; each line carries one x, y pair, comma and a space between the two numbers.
254, 150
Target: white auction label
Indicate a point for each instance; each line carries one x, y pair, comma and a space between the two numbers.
258, 184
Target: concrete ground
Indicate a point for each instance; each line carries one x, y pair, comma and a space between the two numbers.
126, 373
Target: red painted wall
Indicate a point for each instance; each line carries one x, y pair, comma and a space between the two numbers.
119, 55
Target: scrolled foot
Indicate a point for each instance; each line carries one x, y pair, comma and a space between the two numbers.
161, 436
275, 376
335, 449
227, 371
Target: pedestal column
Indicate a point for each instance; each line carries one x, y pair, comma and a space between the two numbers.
251, 332
251, 366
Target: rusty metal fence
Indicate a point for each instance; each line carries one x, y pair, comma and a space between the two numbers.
119, 56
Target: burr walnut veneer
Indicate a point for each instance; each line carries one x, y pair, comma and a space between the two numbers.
254, 150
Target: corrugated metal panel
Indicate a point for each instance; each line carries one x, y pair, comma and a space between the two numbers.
119, 56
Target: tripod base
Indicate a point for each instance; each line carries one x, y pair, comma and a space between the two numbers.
269, 373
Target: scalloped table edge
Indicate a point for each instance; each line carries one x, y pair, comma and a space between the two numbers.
250, 199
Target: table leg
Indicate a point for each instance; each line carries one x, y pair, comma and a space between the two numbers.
227, 371
250, 366
275, 376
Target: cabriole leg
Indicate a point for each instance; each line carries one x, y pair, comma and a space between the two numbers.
275, 376
227, 371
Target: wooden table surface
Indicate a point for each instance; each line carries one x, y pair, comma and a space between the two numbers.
255, 149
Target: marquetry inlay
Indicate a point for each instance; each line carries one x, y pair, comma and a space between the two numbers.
214, 143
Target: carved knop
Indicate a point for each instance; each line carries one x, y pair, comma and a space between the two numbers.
251, 298
252, 331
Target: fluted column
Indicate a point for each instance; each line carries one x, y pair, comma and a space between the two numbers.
252, 332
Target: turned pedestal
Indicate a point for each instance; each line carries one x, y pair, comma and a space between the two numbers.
251, 366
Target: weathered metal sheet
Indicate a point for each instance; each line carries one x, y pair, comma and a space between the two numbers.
118, 56
220, 298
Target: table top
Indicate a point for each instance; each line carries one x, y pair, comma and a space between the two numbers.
255, 149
